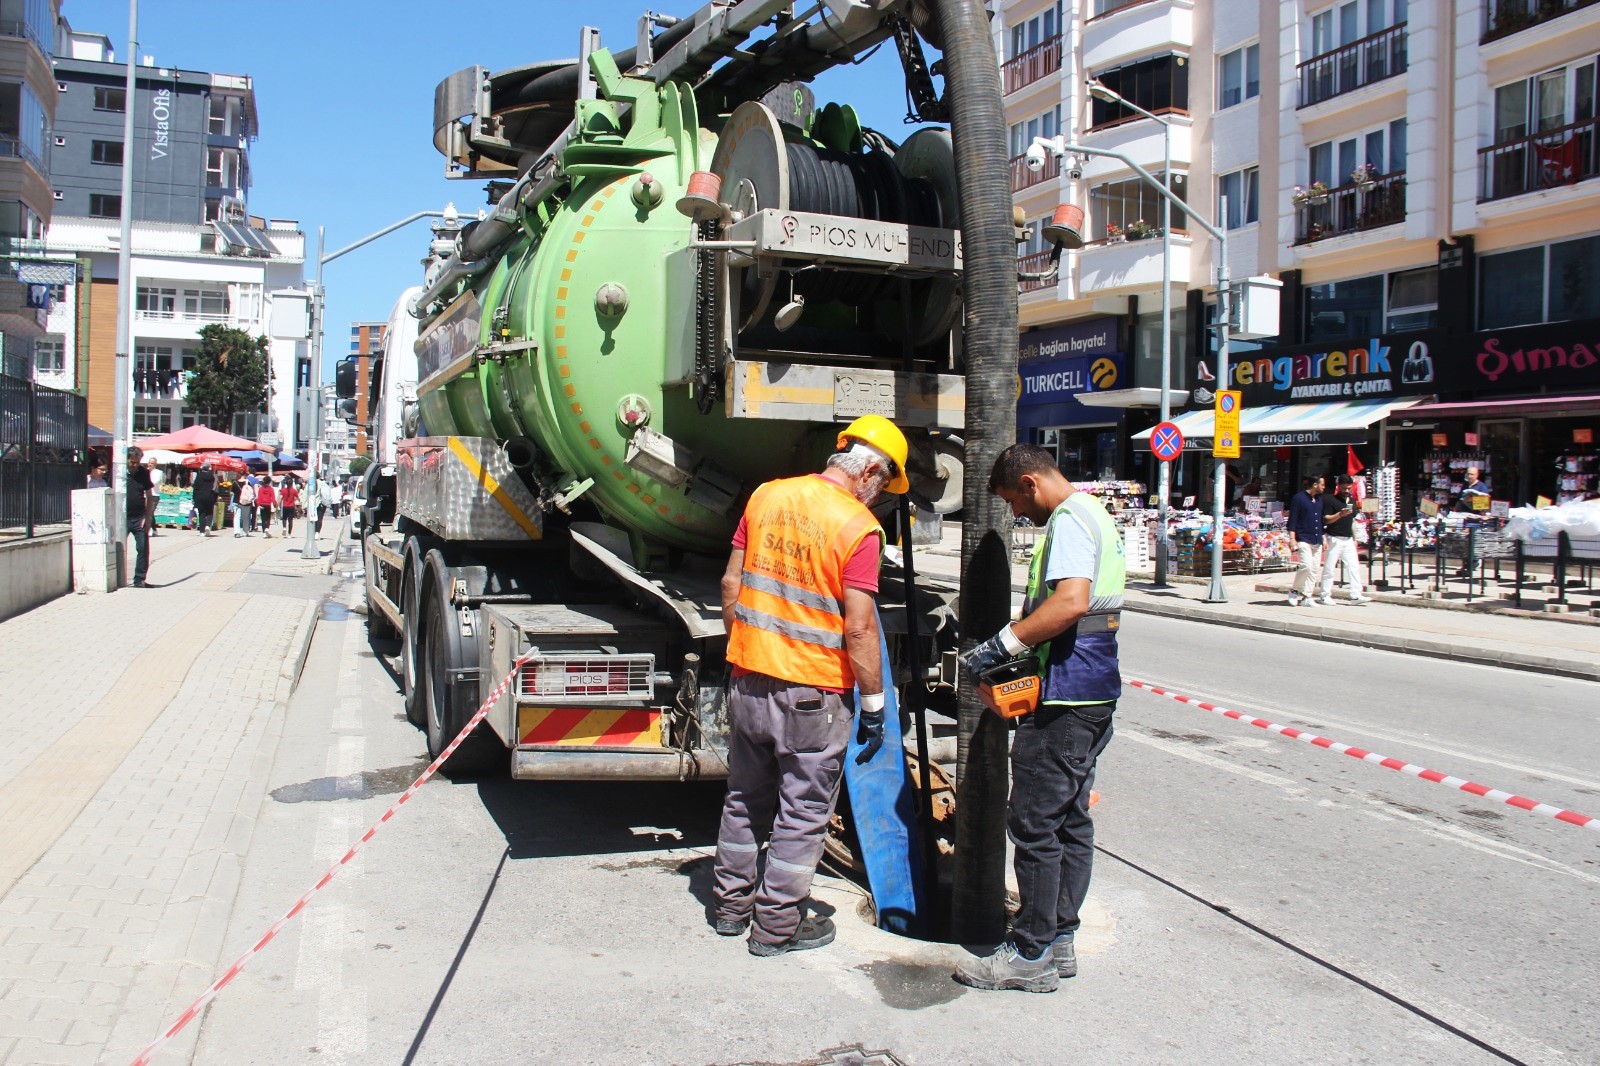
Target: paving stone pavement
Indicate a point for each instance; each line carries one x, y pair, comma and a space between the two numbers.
132, 784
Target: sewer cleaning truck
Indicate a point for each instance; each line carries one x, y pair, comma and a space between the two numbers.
690, 277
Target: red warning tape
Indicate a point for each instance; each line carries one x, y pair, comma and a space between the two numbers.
1571, 817
193, 1010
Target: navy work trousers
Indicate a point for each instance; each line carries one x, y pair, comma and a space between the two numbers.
1052, 772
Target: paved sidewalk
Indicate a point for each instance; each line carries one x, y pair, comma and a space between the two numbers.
1517, 642
141, 726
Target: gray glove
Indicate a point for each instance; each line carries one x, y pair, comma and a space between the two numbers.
999, 648
869, 727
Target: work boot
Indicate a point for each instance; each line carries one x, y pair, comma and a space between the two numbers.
730, 926
814, 932
1066, 956
1007, 968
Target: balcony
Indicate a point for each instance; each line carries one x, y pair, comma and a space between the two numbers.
1355, 66
202, 317
1023, 178
1546, 160
1128, 31
1037, 263
1502, 18
1030, 66
1117, 266
1353, 208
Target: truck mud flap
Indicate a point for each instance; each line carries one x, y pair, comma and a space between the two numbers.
885, 812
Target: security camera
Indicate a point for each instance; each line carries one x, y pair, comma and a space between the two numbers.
1075, 169
1036, 157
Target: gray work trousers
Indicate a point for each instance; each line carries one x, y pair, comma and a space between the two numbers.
785, 758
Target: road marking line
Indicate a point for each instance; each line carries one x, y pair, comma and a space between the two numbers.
1477, 842
1511, 799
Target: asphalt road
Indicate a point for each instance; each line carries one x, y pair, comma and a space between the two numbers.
1259, 900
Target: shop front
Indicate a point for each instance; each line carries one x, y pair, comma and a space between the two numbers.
1058, 365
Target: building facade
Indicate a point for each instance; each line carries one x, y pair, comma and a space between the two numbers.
198, 256
1419, 178
366, 346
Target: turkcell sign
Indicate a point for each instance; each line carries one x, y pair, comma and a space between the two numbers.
1055, 380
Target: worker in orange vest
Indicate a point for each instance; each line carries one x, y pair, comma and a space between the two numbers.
799, 600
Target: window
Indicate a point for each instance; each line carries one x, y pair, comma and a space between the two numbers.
1382, 149
1157, 85
222, 164
1031, 33
152, 418
213, 210
109, 99
210, 304
1104, 7
1045, 125
153, 302
1557, 283
50, 355
1341, 309
1546, 101
108, 153
1239, 75
1242, 189
1120, 203
1413, 300
103, 206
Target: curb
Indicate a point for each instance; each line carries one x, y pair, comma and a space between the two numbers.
1541, 664
1485, 606
299, 648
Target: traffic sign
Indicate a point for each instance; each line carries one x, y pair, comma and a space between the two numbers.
1229, 408
271, 440
1166, 441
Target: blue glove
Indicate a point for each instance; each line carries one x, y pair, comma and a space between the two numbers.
999, 648
869, 726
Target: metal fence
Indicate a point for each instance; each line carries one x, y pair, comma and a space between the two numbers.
43, 449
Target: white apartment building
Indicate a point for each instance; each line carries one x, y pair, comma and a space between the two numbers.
185, 277
1419, 176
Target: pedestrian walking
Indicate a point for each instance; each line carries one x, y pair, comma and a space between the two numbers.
288, 500
1070, 618
324, 495
1306, 528
799, 598
247, 507
138, 490
338, 500
157, 476
205, 498
266, 500
1338, 511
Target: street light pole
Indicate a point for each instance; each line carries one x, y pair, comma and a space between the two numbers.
1164, 475
1059, 146
311, 551
122, 380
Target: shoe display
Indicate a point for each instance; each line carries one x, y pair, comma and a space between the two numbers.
814, 932
1007, 970
1066, 956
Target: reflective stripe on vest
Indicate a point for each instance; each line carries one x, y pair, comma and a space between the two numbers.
1086, 670
788, 620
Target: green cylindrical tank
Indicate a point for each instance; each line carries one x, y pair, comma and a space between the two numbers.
602, 283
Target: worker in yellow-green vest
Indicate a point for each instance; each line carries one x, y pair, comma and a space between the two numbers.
1070, 621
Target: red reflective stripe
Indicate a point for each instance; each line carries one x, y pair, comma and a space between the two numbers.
557, 724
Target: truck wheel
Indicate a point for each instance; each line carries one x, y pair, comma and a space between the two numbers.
448, 707
410, 631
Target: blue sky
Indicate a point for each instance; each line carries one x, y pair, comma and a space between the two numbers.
345, 94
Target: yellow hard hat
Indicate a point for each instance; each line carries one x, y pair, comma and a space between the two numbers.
883, 435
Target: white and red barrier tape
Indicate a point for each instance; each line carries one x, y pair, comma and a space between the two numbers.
1583, 821
193, 1010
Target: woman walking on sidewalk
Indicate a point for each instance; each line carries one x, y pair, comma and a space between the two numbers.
288, 499
266, 499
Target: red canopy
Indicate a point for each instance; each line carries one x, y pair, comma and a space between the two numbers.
218, 462
200, 439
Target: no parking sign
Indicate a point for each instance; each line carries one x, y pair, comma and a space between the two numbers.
1166, 441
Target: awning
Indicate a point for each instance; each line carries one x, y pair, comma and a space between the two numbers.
1292, 425
1529, 405
1138, 397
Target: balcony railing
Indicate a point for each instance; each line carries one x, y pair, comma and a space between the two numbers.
181, 316
1030, 66
1353, 208
1035, 263
1111, 7
17, 148
1023, 178
1371, 59
1546, 160
1502, 18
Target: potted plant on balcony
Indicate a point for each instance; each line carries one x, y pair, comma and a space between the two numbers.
1364, 175
1139, 229
1512, 15
1313, 195
1114, 233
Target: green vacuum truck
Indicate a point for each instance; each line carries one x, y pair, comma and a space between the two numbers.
689, 277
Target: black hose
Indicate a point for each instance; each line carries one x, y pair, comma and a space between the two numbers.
989, 282
562, 84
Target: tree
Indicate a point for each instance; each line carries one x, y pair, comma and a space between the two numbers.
230, 374
359, 464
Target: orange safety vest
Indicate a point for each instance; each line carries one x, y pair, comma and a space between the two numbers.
788, 621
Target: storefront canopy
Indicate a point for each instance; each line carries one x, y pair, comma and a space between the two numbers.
1342, 422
